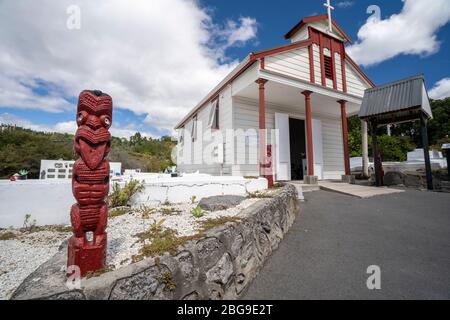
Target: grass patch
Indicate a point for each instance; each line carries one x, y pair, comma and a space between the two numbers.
98, 273
169, 211
168, 281
162, 240
117, 212
212, 223
8, 235
259, 195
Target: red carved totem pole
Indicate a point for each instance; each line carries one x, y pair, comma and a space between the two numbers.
90, 182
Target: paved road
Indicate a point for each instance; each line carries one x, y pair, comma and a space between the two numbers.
336, 237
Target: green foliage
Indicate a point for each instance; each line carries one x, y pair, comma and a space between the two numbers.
406, 136
197, 212
120, 197
393, 148
24, 149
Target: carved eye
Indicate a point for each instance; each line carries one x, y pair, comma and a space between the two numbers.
81, 118
106, 121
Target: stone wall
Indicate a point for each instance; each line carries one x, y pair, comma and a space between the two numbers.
219, 266
416, 179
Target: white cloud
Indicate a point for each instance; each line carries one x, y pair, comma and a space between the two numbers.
441, 89
412, 31
157, 57
67, 127
238, 33
344, 4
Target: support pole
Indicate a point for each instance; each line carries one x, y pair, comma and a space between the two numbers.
365, 149
264, 166
345, 137
375, 152
310, 178
426, 153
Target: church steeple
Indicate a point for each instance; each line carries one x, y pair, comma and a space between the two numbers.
321, 24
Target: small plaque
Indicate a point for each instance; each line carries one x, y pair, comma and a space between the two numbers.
446, 146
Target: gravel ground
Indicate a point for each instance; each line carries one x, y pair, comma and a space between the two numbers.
20, 256
122, 243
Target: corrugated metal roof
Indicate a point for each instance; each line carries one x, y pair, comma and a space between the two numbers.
407, 95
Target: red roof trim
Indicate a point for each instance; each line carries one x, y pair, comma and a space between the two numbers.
357, 68
292, 46
306, 20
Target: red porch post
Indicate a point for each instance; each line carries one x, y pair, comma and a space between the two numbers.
345, 137
309, 139
264, 165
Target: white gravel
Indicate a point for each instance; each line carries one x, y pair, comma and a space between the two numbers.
21, 256
123, 245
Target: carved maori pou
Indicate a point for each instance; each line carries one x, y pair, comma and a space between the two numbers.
90, 182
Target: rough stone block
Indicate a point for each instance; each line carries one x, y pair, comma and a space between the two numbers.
217, 203
393, 178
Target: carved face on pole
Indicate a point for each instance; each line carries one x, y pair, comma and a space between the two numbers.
94, 118
90, 182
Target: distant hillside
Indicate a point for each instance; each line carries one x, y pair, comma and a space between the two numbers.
23, 149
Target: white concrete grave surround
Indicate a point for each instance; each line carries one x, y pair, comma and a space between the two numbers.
49, 201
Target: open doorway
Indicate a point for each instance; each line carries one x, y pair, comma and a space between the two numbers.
297, 147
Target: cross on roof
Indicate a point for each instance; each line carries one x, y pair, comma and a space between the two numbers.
329, 8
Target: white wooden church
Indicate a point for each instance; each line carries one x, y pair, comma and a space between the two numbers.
305, 89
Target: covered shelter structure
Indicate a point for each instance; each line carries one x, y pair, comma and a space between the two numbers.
397, 102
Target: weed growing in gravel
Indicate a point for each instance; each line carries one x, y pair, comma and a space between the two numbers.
8, 235
197, 212
120, 197
193, 199
28, 224
145, 211
169, 211
158, 240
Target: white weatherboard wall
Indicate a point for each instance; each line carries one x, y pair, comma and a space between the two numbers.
49, 202
293, 63
246, 117
355, 85
194, 152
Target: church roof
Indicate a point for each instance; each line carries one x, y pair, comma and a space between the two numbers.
397, 101
312, 19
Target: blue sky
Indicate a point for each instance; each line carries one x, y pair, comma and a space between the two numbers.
159, 67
